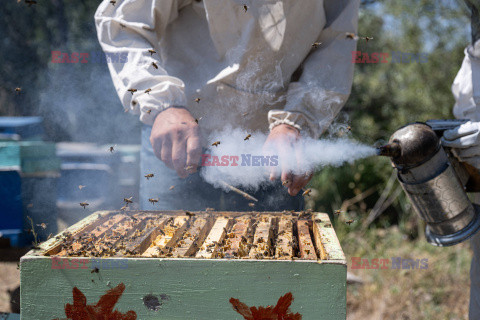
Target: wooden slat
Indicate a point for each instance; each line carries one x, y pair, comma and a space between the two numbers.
171, 233
215, 237
284, 241
142, 239
262, 239
194, 236
235, 244
305, 244
326, 239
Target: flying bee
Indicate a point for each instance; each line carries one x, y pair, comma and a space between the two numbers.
154, 65
153, 201
197, 100
337, 212
148, 90
124, 208
42, 225
148, 176
18, 90
244, 114
306, 192
84, 204
251, 204
188, 168
349, 222
247, 137
188, 213
122, 25
171, 188
284, 183
148, 111
245, 8
352, 36
152, 52
113, 2
81, 187
112, 148
316, 44
216, 143
349, 129
367, 38
132, 91
128, 200
196, 120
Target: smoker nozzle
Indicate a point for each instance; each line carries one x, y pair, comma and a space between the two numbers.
391, 150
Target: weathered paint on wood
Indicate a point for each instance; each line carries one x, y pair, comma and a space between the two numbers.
196, 288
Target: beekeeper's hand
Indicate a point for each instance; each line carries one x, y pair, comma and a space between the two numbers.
465, 141
284, 141
175, 139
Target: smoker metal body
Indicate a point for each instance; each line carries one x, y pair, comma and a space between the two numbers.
435, 181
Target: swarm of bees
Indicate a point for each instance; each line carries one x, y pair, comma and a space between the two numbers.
84, 204
315, 45
216, 143
153, 201
247, 137
132, 91
148, 91
306, 192
149, 175
154, 65
197, 100
151, 51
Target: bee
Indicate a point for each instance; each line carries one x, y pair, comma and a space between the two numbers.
95, 270
244, 114
316, 44
337, 212
153, 201
124, 208
154, 65
148, 111
247, 137
84, 204
148, 90
197, 100
30, 2
352, 36
306, 192
284, 183
81, 187
188, 213
132, 91
148, 176
245, 8
122, 25
349, 222
349, 128
152, 52
171, 188
112, 148
251, 204
216, 143
188, 168
367, 38
42, 225
18, 90
128, 200
113, 2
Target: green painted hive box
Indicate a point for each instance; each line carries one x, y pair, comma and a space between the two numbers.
188, 265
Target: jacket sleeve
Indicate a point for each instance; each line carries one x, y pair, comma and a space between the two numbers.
325, 83
128, 29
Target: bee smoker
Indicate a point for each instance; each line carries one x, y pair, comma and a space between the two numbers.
435, 181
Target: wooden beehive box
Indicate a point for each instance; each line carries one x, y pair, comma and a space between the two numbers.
182, 265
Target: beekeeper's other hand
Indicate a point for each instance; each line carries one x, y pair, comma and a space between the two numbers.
285, 142
465, 141
175, 140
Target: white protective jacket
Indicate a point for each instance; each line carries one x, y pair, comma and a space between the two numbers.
238, 62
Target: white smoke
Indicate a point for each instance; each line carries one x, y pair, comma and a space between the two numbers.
315, 154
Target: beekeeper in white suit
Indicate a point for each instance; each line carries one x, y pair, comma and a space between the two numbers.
282, 66
465, 139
